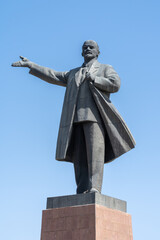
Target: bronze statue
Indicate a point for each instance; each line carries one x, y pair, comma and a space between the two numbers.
91, 132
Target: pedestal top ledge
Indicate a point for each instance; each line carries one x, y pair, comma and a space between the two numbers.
85, 199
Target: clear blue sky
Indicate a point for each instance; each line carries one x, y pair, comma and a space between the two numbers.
51, 33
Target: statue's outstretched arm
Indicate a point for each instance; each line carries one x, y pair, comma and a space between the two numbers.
45, 73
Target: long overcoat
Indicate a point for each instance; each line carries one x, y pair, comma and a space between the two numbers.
118, 140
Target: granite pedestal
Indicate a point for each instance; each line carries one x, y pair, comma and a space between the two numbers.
90, 216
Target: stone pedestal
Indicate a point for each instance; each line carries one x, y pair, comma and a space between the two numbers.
102, 218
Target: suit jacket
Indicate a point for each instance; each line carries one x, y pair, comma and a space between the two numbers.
118, 138
86, 109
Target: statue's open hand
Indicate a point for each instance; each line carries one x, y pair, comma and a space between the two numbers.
90, 77
23, 63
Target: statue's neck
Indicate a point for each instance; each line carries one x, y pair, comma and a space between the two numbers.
90, 61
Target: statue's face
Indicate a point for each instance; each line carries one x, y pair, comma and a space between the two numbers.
90, 50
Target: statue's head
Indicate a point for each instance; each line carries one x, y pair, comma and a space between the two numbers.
90, 50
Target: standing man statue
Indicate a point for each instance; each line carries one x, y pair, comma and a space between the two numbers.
91, 130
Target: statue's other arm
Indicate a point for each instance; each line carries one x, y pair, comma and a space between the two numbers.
109, 82
46, 74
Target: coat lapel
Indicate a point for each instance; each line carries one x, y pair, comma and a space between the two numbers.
95, 67
78, 76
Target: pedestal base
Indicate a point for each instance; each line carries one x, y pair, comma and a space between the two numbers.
86, 222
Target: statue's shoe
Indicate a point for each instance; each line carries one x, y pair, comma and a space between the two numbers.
93, 190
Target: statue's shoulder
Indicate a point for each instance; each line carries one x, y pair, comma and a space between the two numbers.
105, 65
74, 70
